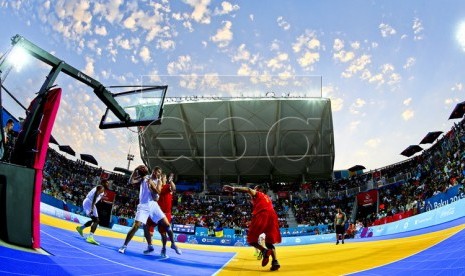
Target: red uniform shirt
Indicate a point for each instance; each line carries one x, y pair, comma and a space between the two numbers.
166, 199
261, 202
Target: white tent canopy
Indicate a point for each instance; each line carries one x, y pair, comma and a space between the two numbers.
267, 138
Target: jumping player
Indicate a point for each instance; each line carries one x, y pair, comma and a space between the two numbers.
147, 207
165, 201
94, 196
264, 220
138, 177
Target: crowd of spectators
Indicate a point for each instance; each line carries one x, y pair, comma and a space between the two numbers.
434, 171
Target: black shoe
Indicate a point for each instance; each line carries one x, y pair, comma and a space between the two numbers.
337, 242
274, 265
343, 242
266, 256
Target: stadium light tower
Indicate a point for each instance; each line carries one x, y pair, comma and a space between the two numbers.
130, 158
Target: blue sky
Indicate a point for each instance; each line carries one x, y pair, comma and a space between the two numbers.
394, 70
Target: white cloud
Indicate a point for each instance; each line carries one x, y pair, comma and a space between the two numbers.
244, 70
344, 56
417, 29
366, 75
123, 43
357, 105
306, 41
134, 59
183, 64
308, 59
357, 65
177, 16
408, 114
166, 44
91, 44
109, 10
378, 78
188, 26
283, 24
355, 45
337, 103
226, 8
373, 143
394, 78
307, 45
407, 101
89, 69
201, 12
241, 54
457, 87
152, 22
387, 68
274, 45
251, 17
276, 62
409, 63
386, 30
101, 30
340, 54
145, 54
223, 35
338, 45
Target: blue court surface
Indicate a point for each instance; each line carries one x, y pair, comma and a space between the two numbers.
71, 255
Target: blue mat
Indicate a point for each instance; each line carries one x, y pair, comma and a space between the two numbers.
444, 258
71, 255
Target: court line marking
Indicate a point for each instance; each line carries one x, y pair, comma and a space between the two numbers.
100, 257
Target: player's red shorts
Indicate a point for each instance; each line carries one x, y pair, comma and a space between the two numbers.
151, 225
264, 222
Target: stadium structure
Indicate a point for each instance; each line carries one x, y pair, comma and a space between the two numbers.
243, 139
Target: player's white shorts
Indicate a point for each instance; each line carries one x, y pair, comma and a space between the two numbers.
142, 213
87, 205
156, 214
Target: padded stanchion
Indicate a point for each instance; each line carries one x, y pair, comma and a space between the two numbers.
17, 183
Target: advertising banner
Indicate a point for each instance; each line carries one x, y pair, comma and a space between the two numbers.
451, 195
367, 198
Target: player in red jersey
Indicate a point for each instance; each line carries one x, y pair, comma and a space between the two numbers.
165, 201
264, 220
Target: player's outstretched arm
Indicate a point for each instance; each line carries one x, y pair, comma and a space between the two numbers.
229, 188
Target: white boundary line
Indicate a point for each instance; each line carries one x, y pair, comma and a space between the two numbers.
108, 260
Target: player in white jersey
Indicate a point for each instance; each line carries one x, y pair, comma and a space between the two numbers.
159, 217
94, 196
145, 196
148, 207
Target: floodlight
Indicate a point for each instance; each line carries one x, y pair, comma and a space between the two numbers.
18, 57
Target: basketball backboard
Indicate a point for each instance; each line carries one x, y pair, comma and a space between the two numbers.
144, 105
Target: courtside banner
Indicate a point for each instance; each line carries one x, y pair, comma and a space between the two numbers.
62, 214
367, 198
442, 199
436, 216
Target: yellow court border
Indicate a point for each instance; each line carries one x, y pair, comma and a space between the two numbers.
313, 259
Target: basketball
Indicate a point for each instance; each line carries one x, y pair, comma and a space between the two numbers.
142, 170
